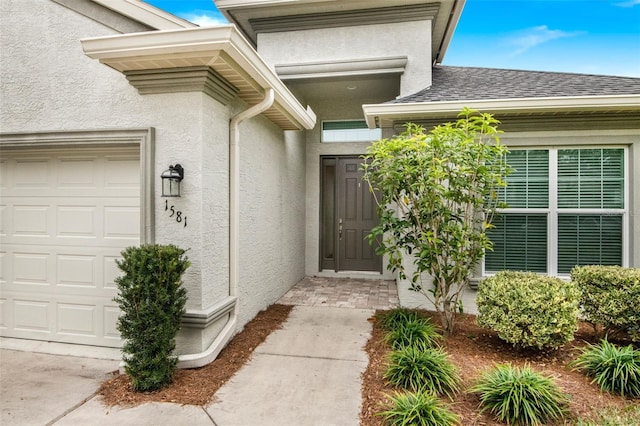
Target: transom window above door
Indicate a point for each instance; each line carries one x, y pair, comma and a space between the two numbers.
349, 131
566, 207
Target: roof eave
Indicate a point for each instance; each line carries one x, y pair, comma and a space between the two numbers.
376, 113
201, 46
452, 23
146, 14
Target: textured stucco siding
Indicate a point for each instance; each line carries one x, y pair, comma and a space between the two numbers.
411, 39
272, 185
48, 84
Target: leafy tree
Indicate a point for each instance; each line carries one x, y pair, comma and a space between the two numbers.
436, 193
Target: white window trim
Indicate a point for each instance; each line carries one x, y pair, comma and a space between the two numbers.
377, 131
553, 211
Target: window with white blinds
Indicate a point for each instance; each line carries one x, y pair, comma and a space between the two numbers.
566, 207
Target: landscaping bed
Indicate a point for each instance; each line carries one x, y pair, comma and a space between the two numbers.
197, 386
473, 349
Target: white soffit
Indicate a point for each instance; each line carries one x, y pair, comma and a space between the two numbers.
382, 115
146, 13
221, 48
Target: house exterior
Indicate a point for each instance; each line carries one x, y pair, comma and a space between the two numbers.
268, 116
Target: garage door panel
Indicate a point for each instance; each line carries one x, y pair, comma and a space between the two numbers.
77, 319
31, 174
4, 220
122, 222
110, 272
31, 220
32, 316
78, 173
31, 269
111, 314
65, 218
4, 314
76, 270
122, 174
76, 221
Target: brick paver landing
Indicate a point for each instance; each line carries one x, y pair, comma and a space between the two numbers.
343, 293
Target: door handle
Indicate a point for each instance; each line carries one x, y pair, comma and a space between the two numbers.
340, 229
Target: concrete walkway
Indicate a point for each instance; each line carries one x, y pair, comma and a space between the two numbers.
307, 373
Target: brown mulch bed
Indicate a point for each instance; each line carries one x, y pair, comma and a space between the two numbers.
473, 349
197, 386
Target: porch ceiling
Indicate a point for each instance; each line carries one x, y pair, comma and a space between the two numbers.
220, 48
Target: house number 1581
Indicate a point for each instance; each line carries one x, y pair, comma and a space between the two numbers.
175, 213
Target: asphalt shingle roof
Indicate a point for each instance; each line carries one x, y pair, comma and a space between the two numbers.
466, 83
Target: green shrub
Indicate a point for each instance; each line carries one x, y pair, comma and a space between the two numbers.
421, 333
528, 310
520, 396
417, 369
610, 297
418, 409
397, 317
152, 300
615, 369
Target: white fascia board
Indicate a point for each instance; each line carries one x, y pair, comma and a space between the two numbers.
146, 13
233, 4
413, 110
454, 19
213, 41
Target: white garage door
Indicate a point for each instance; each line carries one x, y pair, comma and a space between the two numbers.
66, 216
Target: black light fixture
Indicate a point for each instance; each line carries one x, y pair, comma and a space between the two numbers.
171, 179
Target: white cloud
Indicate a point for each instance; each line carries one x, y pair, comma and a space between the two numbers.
628, 3
532, 37
203, 19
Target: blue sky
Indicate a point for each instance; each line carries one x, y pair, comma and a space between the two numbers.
582, 36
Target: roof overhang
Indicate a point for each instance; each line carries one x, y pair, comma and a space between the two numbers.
170, 58
385, 115
146, 14
256, 16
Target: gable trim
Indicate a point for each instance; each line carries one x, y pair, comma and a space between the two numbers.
146, 14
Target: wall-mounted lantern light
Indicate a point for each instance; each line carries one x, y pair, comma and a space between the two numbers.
171, 179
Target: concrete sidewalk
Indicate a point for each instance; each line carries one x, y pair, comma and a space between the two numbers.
307, 373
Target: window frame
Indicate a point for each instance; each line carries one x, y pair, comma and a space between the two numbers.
348, 140
553, 211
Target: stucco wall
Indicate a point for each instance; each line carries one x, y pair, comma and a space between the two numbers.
411, 39
48, 84
272, 185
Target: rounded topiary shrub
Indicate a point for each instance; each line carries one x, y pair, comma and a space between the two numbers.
152, 301
610, 298
528, 310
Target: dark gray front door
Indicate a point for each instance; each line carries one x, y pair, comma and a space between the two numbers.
349, 214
